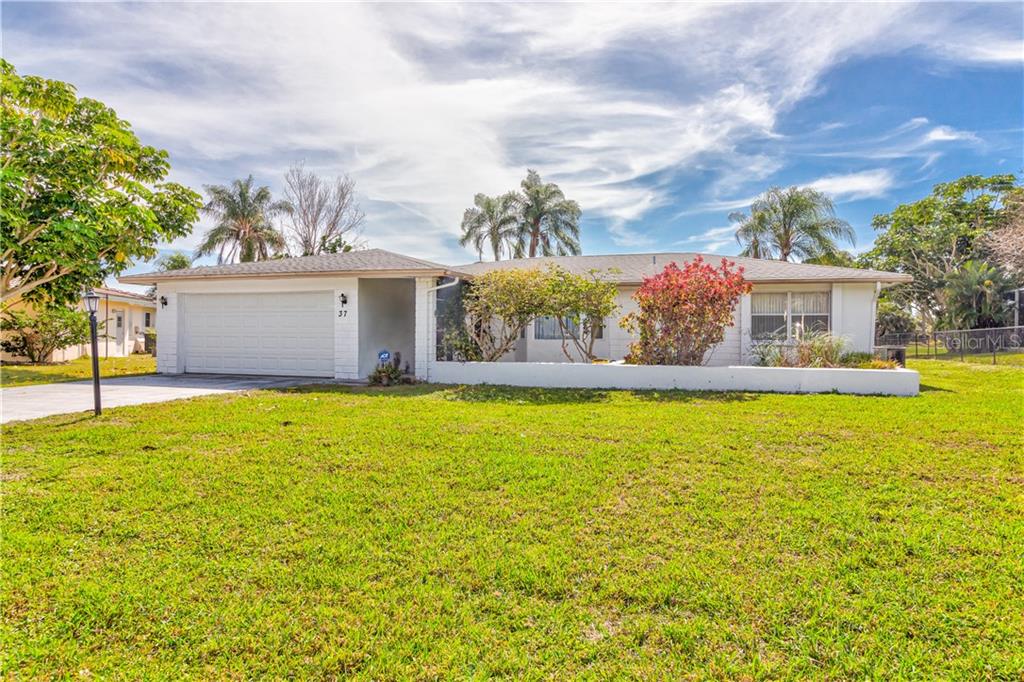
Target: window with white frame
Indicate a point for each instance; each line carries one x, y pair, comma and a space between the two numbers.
547, 328
788, 315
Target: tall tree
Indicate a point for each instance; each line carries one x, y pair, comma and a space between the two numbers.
493, 221
796, 222
933, 237
1004, 245
325, 216
838, 258
179, 260
82, 197
245, 228
549, 223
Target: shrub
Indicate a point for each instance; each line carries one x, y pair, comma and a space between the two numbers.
498, 306
813, 349
855, 359
817, 349
878, 363
683, 312
580, 303
51, 329
386, 374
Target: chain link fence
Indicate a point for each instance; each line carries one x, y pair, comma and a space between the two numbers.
958, 344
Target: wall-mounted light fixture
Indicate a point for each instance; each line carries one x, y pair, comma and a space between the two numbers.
343, 299
163, 301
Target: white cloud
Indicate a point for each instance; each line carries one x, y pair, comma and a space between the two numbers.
425, 105
863, 185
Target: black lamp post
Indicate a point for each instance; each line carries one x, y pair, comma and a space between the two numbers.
92, 303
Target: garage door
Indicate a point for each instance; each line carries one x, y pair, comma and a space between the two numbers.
286, 334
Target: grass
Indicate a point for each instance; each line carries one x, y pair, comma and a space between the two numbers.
433, 532
75, 370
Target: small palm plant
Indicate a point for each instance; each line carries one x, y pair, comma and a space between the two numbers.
244, 228
975, 297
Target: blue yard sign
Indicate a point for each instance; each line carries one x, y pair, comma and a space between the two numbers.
383, 356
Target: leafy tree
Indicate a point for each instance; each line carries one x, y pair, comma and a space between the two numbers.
549, 223
838, 258
791, 223
580, 304
492, 221
891, 318
975, 297
683, 312
244, 229
82, 196
338, 245
1004, 245
37, 336
498, 306
932, 238
179, 260
325, 216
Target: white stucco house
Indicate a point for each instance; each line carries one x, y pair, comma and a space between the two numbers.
330, 315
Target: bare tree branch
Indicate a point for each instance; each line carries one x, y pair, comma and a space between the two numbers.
325, 214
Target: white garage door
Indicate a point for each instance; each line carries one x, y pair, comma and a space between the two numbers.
286, 334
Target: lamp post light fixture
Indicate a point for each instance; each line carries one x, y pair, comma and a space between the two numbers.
92, 304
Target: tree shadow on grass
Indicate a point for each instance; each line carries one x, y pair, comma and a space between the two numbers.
927, 387
489, 393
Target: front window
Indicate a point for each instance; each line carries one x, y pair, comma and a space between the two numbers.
788, 315
768, 316
547, 328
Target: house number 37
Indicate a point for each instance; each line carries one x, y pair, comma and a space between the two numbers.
343, 300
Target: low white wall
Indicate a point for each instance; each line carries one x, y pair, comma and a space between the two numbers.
903, 382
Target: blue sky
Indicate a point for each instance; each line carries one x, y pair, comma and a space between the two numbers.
659, 119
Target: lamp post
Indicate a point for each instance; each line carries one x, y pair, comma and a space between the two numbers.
92, 303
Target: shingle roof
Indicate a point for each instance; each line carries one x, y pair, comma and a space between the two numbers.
632, 268
121, 293
354, 262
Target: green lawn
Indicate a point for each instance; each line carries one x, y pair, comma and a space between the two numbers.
429, 532
25, 375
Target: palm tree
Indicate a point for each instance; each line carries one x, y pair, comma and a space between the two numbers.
975, 297
549, 222
794, 222
244, 226
493, 221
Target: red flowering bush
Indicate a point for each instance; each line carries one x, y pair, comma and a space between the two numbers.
683, 313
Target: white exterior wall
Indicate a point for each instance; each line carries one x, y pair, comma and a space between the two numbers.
386, 321
426, 343
853, 315
616, 341
901, 382
346, 326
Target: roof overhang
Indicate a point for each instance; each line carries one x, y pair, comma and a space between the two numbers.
157, 278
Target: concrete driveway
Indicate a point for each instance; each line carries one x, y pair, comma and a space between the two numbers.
32, 402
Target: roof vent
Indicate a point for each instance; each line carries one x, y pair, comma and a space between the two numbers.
654, 259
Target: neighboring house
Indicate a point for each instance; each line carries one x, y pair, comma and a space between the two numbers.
123, 316
330, 315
